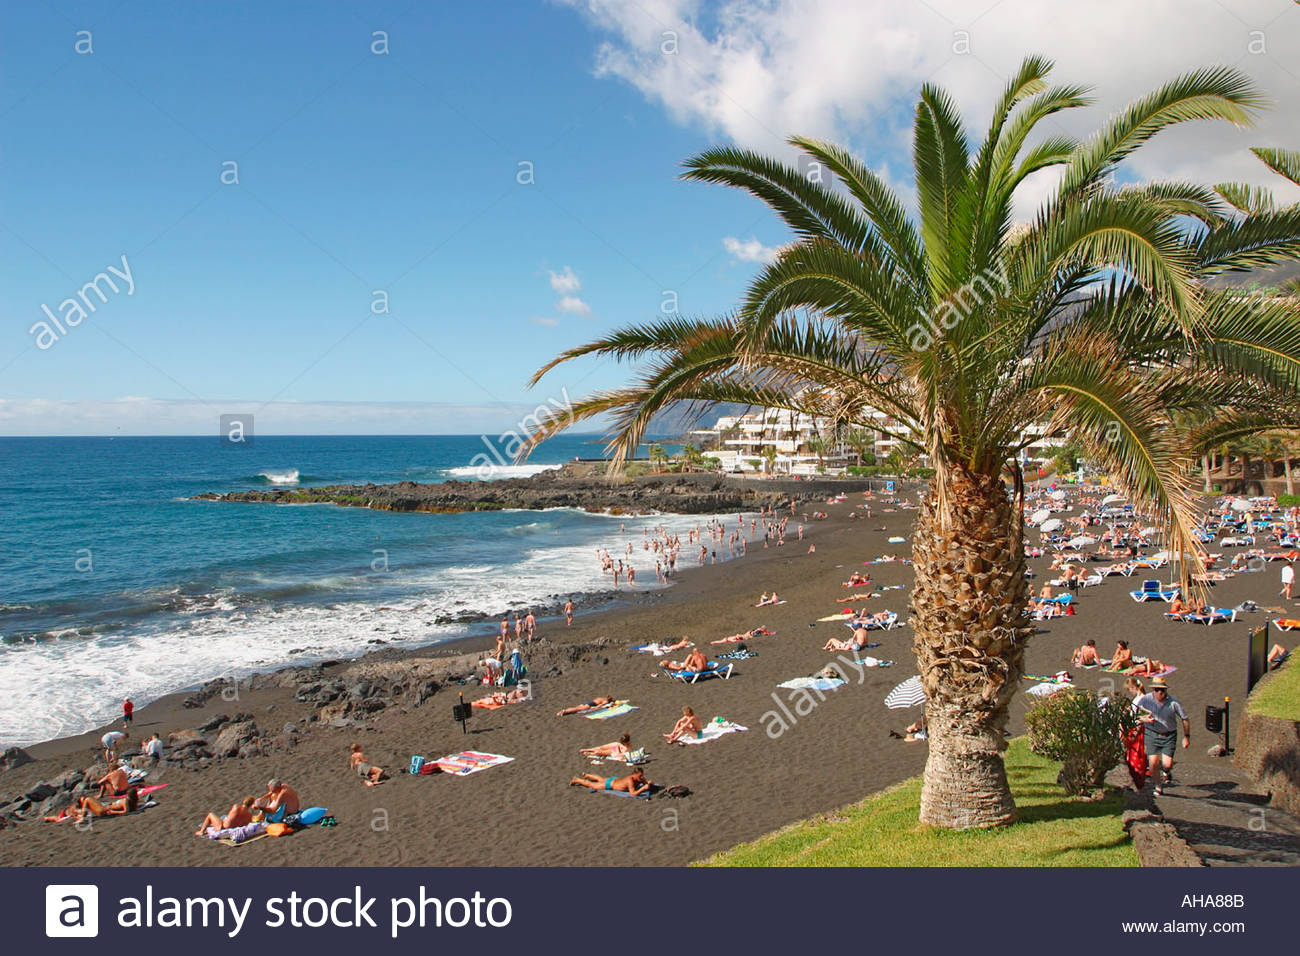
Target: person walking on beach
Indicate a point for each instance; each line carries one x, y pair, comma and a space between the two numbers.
568, 613
530, 626
1288, 579
1163, 714
128, 712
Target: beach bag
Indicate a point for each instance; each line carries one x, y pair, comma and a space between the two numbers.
277, 829
678, 791
417, 763
429, 768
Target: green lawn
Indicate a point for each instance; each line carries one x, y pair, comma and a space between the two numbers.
1053, 830
1278, 694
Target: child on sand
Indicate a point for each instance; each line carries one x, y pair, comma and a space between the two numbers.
372, 776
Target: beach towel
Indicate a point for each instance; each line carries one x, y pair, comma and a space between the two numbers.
714, 729
812, 683
658, 649
145, 791
616, 709
873, 661
1060, 677
841, 615
470, 761
654, 788
1046, 690
487, 703
235, 836
769, 604
1135, 756
738, 655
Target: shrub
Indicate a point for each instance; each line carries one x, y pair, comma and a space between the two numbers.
1085, 735
1286, 501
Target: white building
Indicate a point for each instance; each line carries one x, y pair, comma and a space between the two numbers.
743, 443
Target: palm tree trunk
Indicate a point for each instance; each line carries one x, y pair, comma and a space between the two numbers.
1286, 468
1206, 486
970, 631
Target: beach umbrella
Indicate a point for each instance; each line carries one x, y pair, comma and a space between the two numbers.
907, 694
1082, 541
1241, 504
1058, 495
1111, 499
1041, 515
1051, 525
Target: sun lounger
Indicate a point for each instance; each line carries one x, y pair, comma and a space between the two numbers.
1092, 580
1151, 591
713, 670
1214, 615
887, 623
1287, 624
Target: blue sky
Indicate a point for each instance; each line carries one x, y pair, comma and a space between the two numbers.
398, 172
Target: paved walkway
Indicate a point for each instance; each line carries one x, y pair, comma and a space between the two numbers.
1224, 817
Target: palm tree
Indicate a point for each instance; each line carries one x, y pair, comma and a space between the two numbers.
657, 456
964, 330
862, 441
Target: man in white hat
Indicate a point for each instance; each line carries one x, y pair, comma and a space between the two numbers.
1163, 713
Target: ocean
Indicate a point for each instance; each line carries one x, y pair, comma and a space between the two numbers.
113, 583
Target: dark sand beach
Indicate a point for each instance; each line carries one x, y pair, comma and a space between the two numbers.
744, 784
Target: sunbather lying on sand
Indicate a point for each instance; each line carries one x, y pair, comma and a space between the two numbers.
634, 783
90, 807
860, 639
860, 596
747, 635
687, 724
241, 814
856, 580
596, 704
1150, 667
695, 661
373, 776
619, 748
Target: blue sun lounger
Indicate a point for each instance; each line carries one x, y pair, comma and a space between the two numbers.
713, 670
1150, 591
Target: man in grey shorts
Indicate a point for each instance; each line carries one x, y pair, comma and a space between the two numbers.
1161, 719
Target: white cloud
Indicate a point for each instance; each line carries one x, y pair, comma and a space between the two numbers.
757, 73
572, 305
566, 282
543, 320
151, 416
751, 250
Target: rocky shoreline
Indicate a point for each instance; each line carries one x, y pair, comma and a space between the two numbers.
565, 487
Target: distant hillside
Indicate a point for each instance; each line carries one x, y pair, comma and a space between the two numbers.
680, 419
1258, 278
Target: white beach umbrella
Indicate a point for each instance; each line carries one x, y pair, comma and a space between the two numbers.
1082, 541
1241, 504
1051, 524
1111, 499
910, 693
1058, 495
1041, 515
